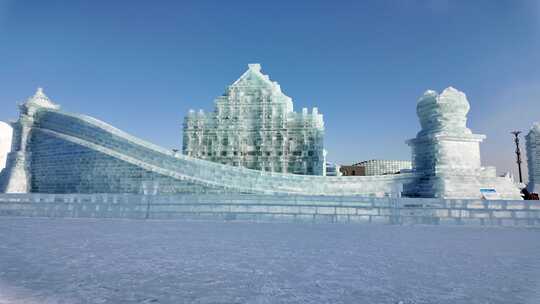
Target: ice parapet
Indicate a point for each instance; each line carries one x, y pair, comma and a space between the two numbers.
533, 158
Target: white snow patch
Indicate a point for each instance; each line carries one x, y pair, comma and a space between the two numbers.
6, 132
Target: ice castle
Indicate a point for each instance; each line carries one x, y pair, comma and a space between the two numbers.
254, 126
58, 152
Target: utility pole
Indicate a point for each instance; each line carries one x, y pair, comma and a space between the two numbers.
518, 153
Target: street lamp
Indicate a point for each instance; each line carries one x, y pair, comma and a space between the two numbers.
518, 153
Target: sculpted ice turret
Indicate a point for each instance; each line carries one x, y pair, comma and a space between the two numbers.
533, 158
16, 177
445, 144
446, 154
444, 113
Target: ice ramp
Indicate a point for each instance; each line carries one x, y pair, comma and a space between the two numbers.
71, 153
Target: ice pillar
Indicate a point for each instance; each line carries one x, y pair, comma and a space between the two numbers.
16, 177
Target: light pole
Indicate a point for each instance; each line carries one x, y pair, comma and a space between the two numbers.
518, 153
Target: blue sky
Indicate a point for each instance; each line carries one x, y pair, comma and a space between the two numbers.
140, 65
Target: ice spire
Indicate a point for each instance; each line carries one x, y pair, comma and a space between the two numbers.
41, 100
254, 67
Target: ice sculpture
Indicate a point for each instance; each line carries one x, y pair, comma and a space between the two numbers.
6, 132
254, 126
446, 154
533, 158
58, 152
16, 178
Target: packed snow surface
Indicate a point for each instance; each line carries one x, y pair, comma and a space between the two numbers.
136, 261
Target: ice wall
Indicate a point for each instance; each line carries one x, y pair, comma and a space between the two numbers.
6, 132
297, 208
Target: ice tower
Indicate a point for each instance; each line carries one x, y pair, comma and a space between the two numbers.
254, 126
446, 154
533, 158
15, 178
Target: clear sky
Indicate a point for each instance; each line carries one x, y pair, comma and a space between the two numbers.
141, 65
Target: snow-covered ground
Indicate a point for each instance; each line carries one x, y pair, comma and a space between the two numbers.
135, 261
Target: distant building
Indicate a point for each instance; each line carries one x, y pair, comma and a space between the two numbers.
533, 158
352, 170
332, 169
254, 126
376, 167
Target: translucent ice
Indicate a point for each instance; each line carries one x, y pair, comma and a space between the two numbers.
254, 126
